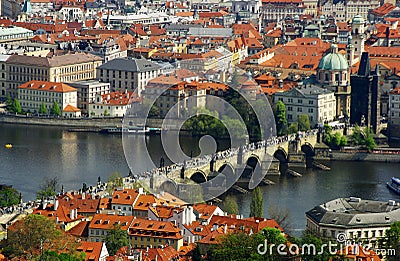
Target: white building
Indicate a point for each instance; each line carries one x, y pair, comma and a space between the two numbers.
318, 103
360, 220
33, 94
87, 91
344, 11
114, 104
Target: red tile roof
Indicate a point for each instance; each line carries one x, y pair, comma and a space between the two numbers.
47, 86
84, 203
106, 221
383, 10
124, 197
92, 249
154, 228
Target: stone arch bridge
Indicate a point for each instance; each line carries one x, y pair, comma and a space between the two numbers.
265, 156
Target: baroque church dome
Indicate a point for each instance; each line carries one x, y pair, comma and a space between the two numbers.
333, 61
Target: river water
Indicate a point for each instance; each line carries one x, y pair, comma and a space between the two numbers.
76, 158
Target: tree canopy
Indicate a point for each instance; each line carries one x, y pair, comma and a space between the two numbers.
55, 109
230, 205
33, 235
280, 118
114, 181
363, 138
47, 188
304, 122
115, 239
42, 108
391, 241
9, 196
256, 205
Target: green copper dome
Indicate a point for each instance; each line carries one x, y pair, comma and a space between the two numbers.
358, 19
333, 60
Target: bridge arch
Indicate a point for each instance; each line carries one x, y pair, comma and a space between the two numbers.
308, 149
169, 186
252, 162
226, 169
281, 155
199, 177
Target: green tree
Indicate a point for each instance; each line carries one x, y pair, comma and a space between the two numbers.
47, 188
16, 106
280, 118
230, 205
54, 256
369, 140
42, 109
106, 113
114, 181
304, 122
310, 239
293, 128
256, 205
391, 240
9, 196
34, 235
9, 103
196, 255
154, 111
55, 109
115, 239
363, 138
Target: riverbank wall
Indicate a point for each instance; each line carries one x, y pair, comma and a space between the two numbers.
72, 122
356, 156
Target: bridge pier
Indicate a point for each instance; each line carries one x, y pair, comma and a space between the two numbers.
296, 160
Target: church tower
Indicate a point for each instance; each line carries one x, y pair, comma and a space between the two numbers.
358, 35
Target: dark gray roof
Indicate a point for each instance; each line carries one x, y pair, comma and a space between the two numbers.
355, 212
130, 65
304, 91
178, 27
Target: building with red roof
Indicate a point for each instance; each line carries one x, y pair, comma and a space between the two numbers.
95, 251
34, 94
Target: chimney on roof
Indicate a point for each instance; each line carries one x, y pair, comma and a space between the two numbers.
55, 204
280, 84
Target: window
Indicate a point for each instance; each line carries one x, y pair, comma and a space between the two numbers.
290, 108
311, 102
299, 101
290, 116
299, 109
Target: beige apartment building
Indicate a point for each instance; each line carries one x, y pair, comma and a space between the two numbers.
344, 11
65, 67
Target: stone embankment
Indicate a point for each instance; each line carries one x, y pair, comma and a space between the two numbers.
375, 156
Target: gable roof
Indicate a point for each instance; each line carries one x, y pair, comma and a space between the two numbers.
47, 86
130, 65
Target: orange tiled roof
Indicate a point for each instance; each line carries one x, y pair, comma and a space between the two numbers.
154, 228
357, 252
47, 86
196, 228
124, 197
61, 214
80, 230
106, 221
165, 211
70, 108
119, 98
383, 10
84, 204
92, 249
395, 91
162, 254
105, 203
144, 201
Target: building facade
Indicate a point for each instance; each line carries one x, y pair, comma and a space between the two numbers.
128, 73
316, 102
394, 113
67, 67
87, 91
360, 220
33, 94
